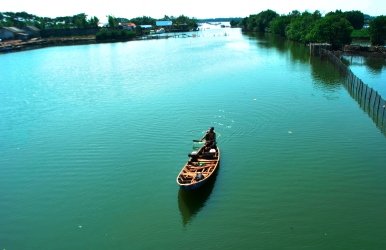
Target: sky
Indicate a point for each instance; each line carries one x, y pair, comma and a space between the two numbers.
200, 9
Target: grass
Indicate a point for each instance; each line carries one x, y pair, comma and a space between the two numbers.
363, 33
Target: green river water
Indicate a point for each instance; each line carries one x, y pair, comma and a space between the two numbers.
93, 137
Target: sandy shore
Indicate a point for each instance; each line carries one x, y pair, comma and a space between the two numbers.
18, 45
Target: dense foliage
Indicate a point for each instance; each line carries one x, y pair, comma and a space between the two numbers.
182, 20
260, 22
356, 18
234, 23
22, 19
144, 20
335, 28
105, 34
332, 29
377, 30
363, 33
301, 25
279, 25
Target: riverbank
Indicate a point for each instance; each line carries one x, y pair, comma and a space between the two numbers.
361, 50
36, 43
19, 45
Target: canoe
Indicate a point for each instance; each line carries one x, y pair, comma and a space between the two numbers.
199, 168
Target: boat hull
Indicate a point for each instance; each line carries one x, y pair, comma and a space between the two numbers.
193, 186
199, 169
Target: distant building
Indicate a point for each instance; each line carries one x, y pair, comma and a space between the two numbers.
163, 23
145, 29
128, 26
32, 31
12, 33
146, 26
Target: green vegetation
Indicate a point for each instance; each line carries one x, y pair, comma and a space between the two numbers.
182, 20
377, 30
337, 28
362, 33
332, 29
113, 22
260, 22
234, 23
356, 18
301, 25
22, 19
144, 20
190, 23
105, 34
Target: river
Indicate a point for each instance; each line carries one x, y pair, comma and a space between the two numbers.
92, 138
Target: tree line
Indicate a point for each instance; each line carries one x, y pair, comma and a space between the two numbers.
22, 19
115, 31
334, 28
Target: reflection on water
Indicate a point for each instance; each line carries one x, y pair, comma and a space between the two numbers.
369, 100
325, 76
371, 70
373, 65
191, 202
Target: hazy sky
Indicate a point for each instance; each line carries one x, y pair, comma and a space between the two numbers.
198, 8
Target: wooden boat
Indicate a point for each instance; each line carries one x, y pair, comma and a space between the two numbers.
199, 168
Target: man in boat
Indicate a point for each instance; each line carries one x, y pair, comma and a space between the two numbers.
210, 139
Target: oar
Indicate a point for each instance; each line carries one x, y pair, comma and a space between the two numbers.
197, 144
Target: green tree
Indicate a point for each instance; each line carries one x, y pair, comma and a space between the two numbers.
332, 29
244, 23
234, 23
264, 18
112, 21
356, 18
259, 22
12, 19
102, 34
279, 25
105, 34
377, 30
138, 30
251, 23
40, 24
93, 22
191, 23
144, 20
80, 21
301, 25
166, 18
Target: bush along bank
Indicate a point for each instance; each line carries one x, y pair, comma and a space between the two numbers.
122, 35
